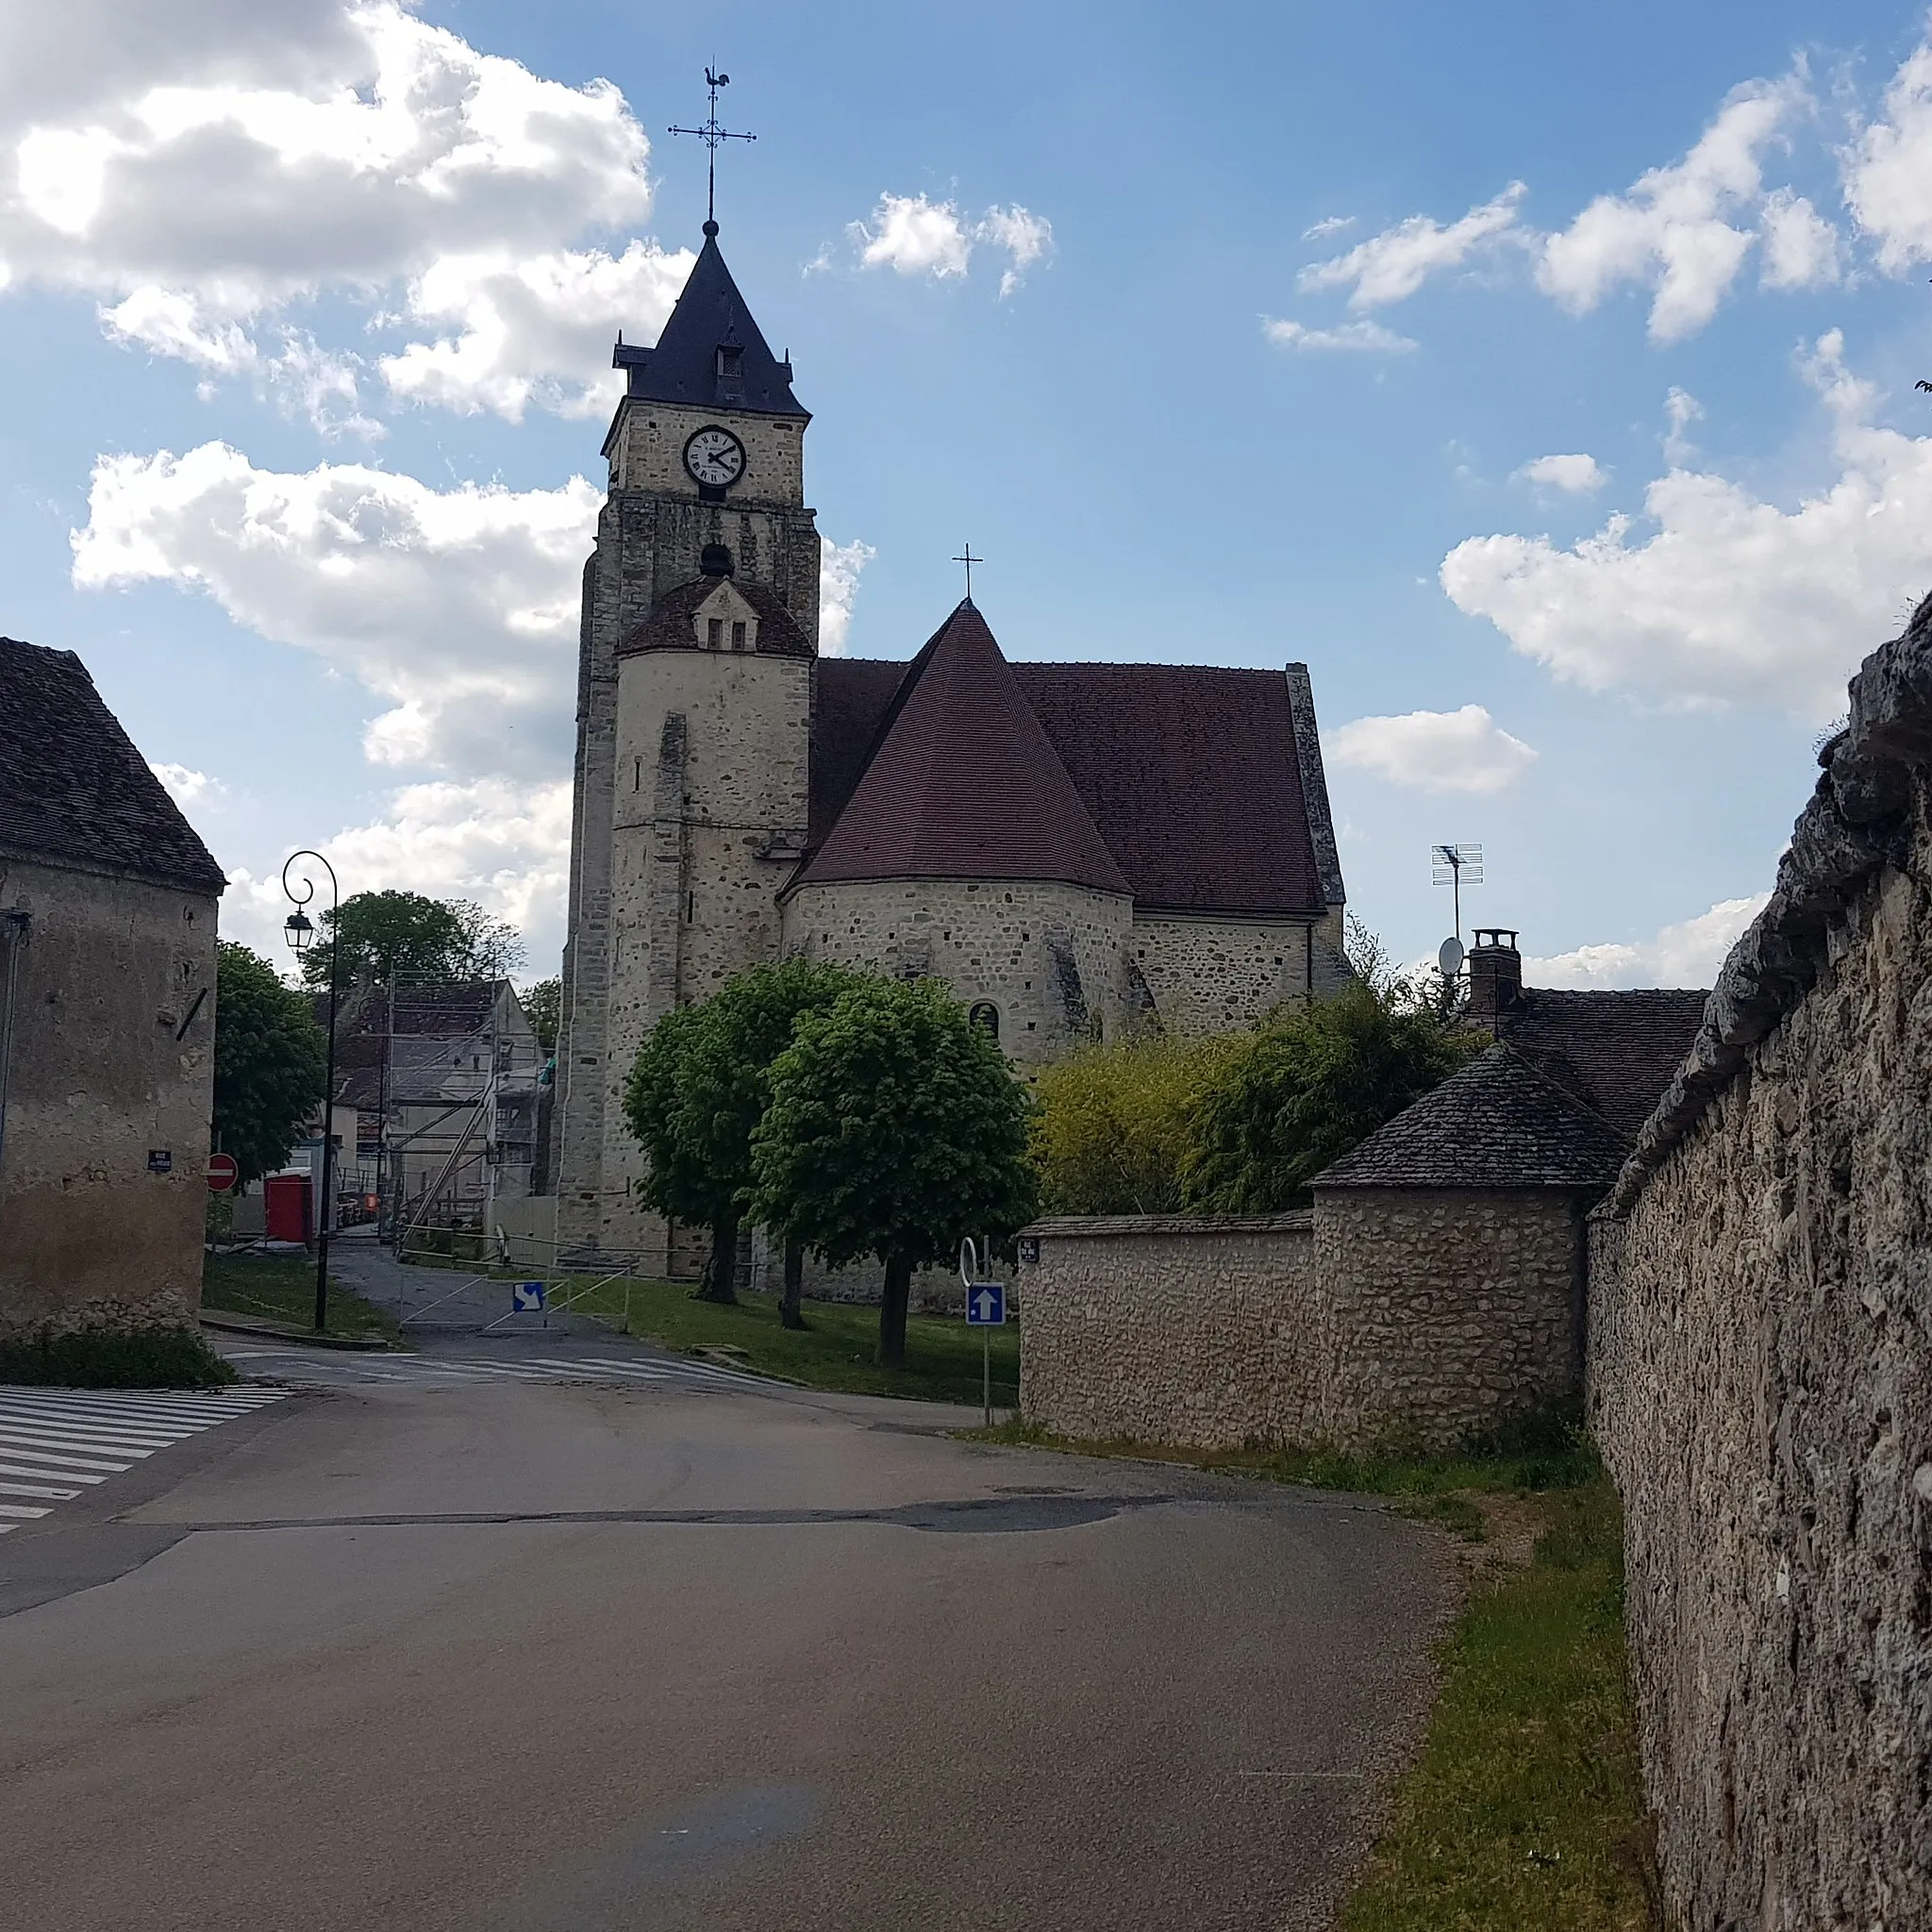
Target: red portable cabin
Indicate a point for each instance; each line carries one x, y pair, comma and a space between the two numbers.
287, 1214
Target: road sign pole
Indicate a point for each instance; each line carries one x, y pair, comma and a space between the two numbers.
986, 1362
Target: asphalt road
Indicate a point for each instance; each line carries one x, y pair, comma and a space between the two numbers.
532, 1655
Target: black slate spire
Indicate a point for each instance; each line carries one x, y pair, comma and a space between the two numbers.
711, 354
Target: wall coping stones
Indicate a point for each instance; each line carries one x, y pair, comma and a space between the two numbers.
1858, 821
1104, 1226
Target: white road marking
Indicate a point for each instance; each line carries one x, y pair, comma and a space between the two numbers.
50, 1438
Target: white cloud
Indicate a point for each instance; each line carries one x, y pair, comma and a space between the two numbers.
840, 565
1681, 409
459, 607
1887, 169
913, 235
1577, 476
1727, 598
1800, 246
1391, 266
253, 158
185, 785
1436, 751
500, 842
532, 329
1364, 337
1687, 955
1328, 225
1672, 232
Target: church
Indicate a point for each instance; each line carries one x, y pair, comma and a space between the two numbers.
1080, 850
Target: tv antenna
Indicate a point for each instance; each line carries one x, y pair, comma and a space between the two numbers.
1457, 866
711, 134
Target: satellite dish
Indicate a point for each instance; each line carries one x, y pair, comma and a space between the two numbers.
1450, 959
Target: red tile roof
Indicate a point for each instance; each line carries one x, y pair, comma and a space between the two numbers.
1189, 772
964, 782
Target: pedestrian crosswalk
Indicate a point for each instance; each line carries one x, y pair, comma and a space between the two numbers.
59, 1444
445, 1370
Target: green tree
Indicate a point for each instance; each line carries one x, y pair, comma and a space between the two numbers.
268, 1062
407, 937
895, 1128
1307, 1086
1112, 1123
544, 1008
697, 1091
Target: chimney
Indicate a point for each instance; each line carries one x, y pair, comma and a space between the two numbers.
1495, 973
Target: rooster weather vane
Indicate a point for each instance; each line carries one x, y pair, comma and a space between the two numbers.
711, 134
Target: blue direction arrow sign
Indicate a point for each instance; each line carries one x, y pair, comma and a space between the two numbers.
525, 1297
986, 1304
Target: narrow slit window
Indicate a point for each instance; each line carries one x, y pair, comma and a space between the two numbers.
714, 632
737, 635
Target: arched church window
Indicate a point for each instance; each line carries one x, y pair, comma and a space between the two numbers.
714, 632
986, 1016
736, 634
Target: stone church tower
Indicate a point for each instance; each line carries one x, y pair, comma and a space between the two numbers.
1130, 846
700, 625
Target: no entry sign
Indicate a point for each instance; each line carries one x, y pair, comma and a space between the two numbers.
222, 1172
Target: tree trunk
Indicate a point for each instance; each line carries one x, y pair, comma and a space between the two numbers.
892, 1311
721, 1271
790, 1314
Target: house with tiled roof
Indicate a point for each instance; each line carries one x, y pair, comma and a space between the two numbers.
108, 904
1079, 849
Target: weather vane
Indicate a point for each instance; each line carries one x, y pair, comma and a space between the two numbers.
969, 560
711, 134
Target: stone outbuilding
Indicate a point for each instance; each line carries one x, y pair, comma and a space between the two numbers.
107, 933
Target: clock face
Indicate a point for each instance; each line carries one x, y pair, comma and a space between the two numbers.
715, 457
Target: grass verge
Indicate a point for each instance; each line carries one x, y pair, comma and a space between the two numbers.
281, 1288
162, 1356
837, 1350
1525, 1806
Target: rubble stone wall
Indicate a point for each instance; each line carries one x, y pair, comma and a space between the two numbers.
1383, 1317
1761, 1378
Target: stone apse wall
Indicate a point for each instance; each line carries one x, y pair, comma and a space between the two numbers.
1414, 1316
1760, 1372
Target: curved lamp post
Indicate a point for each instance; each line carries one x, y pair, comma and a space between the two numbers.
300, 932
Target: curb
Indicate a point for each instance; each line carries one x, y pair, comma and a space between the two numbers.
287, 1331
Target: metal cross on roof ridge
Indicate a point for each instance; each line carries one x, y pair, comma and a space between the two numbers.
969, 560
711, 134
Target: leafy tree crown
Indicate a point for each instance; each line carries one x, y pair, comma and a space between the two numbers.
270, 1057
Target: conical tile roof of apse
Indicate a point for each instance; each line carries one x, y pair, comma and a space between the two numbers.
964, 782
683, 368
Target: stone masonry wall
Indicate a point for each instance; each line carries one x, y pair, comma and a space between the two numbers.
113, 1061
1761, 1378
1762, 1384
1211, 974
1050, 958
1420, 1318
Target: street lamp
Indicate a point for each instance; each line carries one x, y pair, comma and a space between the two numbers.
300, 932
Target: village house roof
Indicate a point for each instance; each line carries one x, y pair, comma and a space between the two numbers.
1201, 782
74, 787
686, 366
964, 782
1496, 1123
1617, 1051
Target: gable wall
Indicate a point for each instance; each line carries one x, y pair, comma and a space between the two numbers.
97, 1080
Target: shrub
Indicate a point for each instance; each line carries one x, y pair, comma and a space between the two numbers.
167, 1355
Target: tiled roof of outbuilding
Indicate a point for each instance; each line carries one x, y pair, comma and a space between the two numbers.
964, 782
1617, 1051
1496, 1123
74, 786
669, 625
1189, 772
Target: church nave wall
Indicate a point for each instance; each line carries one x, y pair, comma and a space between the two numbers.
1051, 958
1210, 975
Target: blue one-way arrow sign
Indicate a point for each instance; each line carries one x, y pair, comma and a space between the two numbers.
525, 1297
986, 1304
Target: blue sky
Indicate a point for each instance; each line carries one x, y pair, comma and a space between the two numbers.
1544, 384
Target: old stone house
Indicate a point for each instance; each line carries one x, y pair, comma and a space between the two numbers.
1077, 848
108, 911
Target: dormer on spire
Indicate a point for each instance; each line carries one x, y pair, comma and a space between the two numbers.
711, 354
